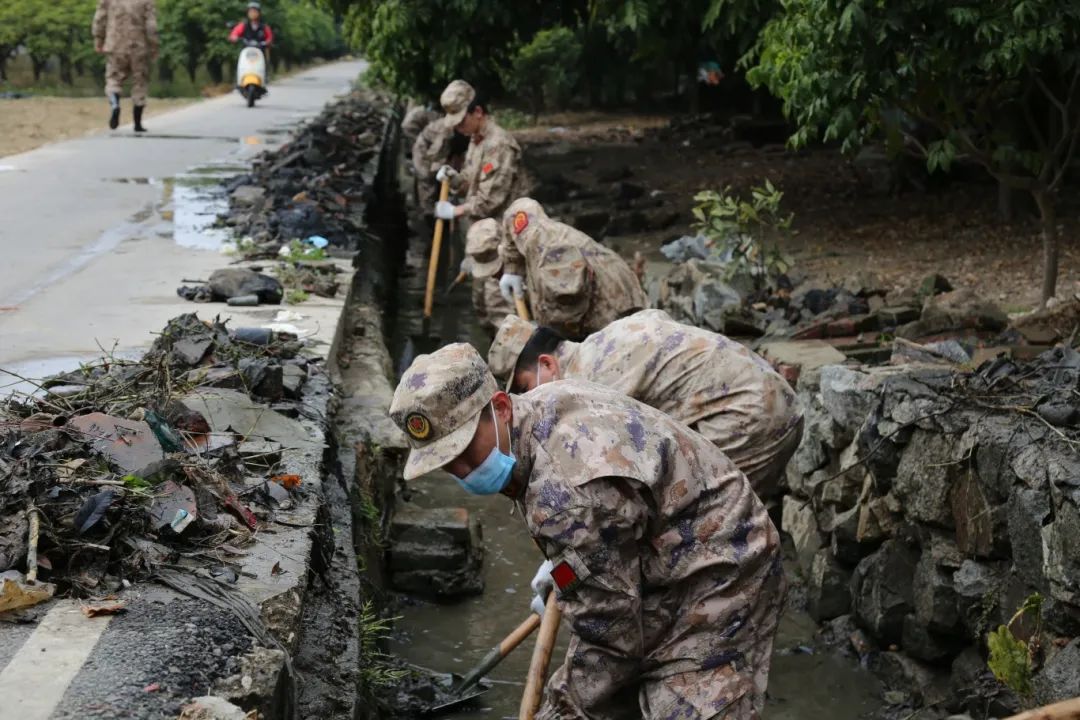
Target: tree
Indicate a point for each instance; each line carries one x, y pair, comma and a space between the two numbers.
545, 70
14, 24
996, 82
59, 29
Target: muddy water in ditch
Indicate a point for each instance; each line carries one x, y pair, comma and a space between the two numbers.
805, 683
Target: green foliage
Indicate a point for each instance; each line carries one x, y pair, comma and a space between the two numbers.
743, 232
135, 482
295, 296
1011, 658
299, 250
544, 70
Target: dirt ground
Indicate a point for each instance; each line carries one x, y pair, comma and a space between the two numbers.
841, 223
30, 122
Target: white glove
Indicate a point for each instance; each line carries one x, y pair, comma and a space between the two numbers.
466, 266
445, 173
512, 286
542, 584
444, 210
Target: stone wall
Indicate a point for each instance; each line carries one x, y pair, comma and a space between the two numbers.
925, 505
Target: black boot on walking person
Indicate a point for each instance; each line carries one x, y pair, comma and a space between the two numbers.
114, 116
138, 118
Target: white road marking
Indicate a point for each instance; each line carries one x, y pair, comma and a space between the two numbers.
35, 680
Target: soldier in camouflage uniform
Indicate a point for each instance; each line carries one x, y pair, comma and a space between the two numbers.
126, 31
492, 175
716, 386
485, 267
575, 284
665, 564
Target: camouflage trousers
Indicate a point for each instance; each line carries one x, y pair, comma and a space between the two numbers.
763, 464
489, 304
712, 671
123, 66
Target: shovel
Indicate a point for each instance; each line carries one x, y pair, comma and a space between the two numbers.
464, 684
436, 247
545, 643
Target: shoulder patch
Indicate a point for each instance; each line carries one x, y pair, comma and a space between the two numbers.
521, 221
488, 168
565, 577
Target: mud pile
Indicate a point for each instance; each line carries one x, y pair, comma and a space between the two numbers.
122, 468
927, 506
318, 184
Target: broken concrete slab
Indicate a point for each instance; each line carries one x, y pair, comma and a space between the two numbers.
128, 444
229, 410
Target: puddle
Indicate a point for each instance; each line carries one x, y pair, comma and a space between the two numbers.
23, 377
804, 684
192, 203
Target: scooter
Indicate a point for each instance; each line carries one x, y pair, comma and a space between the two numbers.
251, 71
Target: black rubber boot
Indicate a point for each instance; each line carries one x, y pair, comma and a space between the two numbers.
114, 115
138, 119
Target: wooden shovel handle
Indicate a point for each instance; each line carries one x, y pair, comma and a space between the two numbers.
436, 247
522, 308
497, 653
545, 643
1067, 710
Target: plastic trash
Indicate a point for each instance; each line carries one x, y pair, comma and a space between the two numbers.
244, 300
317, 241
253, 335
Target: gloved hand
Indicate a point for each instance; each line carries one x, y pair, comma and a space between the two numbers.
512, 286
445, 173
466, 266
542, 584
444, 210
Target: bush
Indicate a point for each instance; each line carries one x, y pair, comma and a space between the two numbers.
545, 71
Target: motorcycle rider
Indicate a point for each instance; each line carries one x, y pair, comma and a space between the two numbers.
254, 30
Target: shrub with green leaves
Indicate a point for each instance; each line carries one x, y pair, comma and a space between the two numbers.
545, 70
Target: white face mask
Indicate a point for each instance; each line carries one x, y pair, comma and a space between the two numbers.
539, 381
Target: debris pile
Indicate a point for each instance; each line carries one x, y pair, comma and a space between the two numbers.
120, 468
318, 184
925, 506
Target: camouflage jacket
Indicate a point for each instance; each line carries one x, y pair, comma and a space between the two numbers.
493, 175
575, 284
431, 150
692, 375
126, 26
665, 561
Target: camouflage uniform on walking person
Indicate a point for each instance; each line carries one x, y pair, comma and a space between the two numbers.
126, 31
713, 384
575, 284
665, 563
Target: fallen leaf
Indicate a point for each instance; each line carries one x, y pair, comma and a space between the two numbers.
276, 570
115, 608
17, 592
290, 482
66, 470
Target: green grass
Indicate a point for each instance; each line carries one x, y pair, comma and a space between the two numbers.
21, 78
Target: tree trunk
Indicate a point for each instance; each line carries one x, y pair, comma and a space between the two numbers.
1048, 217
192, 67
214, 69
66, 75
165, 71
39, 67
3, 65
1006, 206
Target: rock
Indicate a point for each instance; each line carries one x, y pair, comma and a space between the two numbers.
922, 643
980, 526
233, 282
1027, 511
262, 377
879, 518
845, 542
976, 586
713, 301
191, 351
973, 687
836, 633
256, 684
925, 477
211, 707
846, 396
223, 377
804, 354
892, 316
934, 597
898, 671
1061, 563
828, 590
933, 284
800, 523
436, 552
991, 441
292, 380
127, 444
247, 196
881, 589
1060, 677
956, 310
1037, 467
863, 283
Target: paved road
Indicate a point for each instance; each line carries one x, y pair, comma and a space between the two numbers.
98, 232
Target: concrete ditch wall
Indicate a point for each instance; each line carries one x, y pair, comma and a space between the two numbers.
923, 515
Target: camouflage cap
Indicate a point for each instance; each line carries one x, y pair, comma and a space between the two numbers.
438, 404
513, 335
482, 245
455, 101
521, 213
